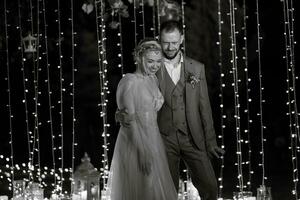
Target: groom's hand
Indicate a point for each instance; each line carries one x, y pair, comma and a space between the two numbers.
215, 151
123, 117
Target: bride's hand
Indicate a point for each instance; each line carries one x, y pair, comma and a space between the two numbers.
145, 162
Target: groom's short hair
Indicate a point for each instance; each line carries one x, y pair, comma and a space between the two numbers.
171, 25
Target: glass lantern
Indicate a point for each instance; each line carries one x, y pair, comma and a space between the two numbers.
29, 44
244, 195
264, 193
19, 189
34, 191
86, 181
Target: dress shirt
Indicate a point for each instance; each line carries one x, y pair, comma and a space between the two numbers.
174, 69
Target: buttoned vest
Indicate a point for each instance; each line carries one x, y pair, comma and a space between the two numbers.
172, 115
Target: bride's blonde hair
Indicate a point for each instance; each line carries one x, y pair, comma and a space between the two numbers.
147, 44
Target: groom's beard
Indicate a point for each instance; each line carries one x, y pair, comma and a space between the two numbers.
170, 54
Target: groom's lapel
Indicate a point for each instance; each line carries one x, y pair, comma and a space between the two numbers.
160, 76
188, 86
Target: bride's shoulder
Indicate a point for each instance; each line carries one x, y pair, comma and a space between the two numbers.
128, 80
129, 77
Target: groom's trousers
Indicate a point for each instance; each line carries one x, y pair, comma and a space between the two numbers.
180, 145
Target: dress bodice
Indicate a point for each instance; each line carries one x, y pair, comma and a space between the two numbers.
149, 95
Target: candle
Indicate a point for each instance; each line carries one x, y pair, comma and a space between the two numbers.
4, 197
76, 197
83, 195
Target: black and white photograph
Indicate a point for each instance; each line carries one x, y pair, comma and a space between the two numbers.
149, 100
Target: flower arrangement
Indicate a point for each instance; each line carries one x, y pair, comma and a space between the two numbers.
192, 79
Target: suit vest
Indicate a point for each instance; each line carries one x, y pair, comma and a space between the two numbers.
172, 115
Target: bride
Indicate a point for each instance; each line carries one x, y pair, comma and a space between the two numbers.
139, 169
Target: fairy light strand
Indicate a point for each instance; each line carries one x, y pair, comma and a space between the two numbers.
61, 96
222, 85
121, 65
9, 106
143, 25
154, 19
104, 92
236, 95
24, 80
35, 63
292, 33
102, 62
290, 24
292, 114
293, 42
37, 91
248, 100
183, 26
158, 15
50, 121
33, 137
73, 93
31, 16
260, 95
295, 111
135, 22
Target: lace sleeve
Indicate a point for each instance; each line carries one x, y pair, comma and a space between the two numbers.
127, 99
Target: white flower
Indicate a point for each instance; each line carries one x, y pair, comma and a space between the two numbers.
87, 8
192, 79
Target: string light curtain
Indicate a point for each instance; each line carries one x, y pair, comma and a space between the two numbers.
72, 84
235, 85
24, 81
247, 134
61, 103
9, 106
49, 92
261, 100
292, 114
222, 85
35, 137
102, 67
120, 44
37, 92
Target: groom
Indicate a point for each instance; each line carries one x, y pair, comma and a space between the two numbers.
185, 119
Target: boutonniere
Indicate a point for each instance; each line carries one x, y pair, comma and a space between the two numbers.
192, 79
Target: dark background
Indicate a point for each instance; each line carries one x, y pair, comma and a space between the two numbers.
201, 36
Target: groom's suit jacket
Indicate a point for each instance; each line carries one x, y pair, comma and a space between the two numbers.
197, 104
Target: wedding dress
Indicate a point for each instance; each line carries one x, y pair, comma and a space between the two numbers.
126, 180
